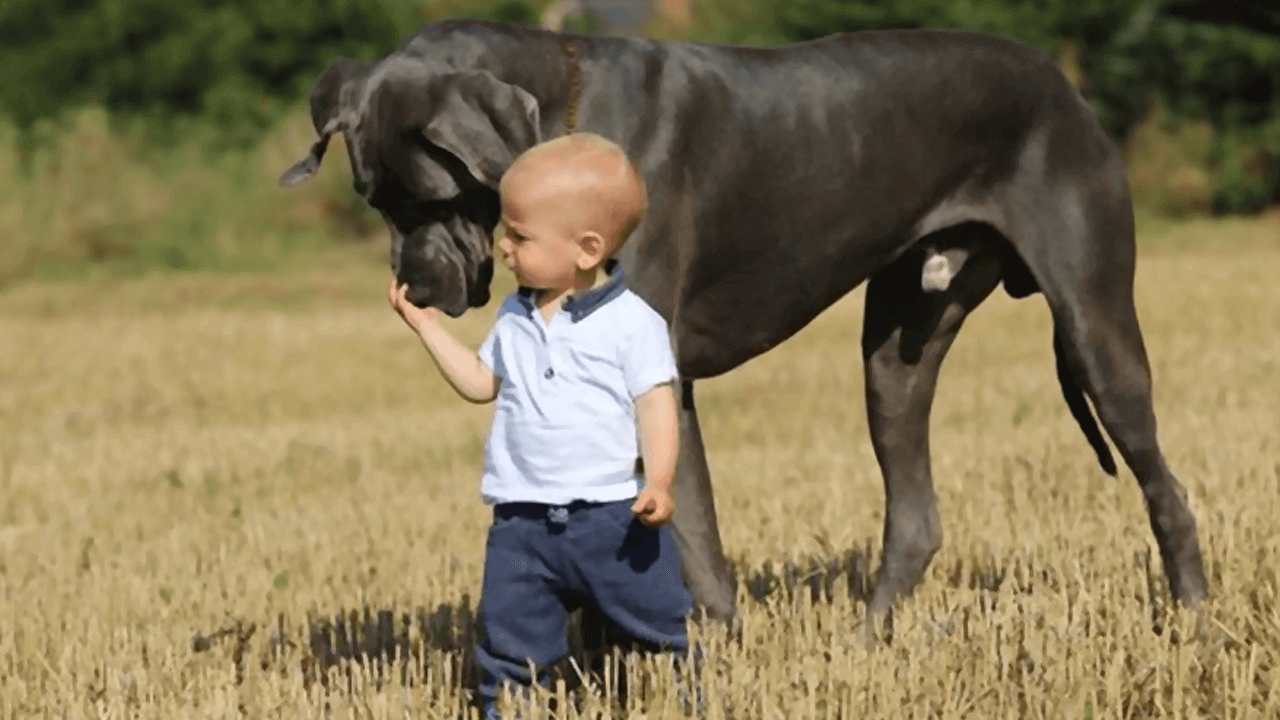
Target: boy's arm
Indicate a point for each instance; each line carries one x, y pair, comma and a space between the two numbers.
461, 367
650, 371
659, 435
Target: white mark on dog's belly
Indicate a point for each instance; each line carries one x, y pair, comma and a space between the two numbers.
940, 268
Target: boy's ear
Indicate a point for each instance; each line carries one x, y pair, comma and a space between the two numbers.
592, 249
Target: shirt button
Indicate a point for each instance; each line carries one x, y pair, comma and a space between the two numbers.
549, 374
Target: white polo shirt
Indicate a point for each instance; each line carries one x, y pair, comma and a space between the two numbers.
564, 427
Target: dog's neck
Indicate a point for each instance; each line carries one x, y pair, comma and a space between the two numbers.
546, 64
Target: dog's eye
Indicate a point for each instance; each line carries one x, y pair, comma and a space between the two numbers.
418, 213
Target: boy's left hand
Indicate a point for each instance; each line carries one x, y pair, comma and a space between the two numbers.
653, 506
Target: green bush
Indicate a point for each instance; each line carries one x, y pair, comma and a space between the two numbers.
234, 65
1230, 76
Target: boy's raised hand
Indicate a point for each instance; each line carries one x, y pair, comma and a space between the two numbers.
413, 316
653, 506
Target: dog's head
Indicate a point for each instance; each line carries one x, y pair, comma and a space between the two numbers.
427, 145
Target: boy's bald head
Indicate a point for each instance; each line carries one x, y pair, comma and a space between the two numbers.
592, 174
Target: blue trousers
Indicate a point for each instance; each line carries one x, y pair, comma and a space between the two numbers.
540, 558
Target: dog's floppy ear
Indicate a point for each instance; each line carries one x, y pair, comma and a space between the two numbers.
307, 166
326, 115
484, 122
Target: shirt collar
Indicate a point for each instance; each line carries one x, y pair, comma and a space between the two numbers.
581, 304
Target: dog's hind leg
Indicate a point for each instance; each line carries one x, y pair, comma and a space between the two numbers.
906, 333
1080, 247
1104, 347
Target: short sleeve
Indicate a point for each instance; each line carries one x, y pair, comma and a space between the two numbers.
647, 360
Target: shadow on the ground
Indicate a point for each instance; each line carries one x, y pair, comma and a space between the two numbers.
442, 640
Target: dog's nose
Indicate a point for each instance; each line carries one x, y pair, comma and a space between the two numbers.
419, 295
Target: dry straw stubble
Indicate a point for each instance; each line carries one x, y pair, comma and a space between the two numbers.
256, 468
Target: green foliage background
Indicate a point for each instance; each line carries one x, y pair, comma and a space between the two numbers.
187, 87
233, 64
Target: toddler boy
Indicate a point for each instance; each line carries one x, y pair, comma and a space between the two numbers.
575, 362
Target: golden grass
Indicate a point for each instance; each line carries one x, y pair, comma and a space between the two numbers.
176, 459
95, 199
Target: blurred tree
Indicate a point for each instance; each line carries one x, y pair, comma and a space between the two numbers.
1260, 15
516, 11
233, 62
1219, 61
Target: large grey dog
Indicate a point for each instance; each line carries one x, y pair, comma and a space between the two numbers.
933, 164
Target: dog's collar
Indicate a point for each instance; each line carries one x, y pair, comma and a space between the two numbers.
575, 87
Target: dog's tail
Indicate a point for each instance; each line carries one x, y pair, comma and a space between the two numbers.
1074, 396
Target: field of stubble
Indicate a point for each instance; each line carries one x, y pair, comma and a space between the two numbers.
215, 493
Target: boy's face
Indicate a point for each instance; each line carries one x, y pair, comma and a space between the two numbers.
540, 240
